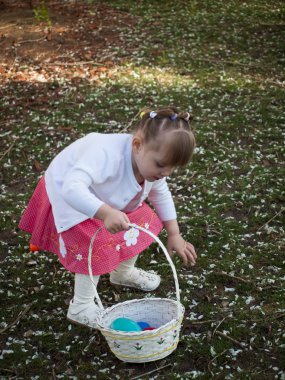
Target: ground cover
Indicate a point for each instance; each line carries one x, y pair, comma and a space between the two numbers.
92, 69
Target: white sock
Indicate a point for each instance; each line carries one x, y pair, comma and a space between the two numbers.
83, 289
126, 267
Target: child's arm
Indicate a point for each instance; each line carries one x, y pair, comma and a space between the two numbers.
77, 194
162, 201
175, 242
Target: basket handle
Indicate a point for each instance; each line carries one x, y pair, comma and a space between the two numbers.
161, 246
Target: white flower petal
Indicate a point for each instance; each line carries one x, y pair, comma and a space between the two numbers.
62, 247
130, 236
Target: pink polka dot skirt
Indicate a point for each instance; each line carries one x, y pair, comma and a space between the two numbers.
72, 246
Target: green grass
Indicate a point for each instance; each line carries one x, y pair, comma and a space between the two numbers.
226, 62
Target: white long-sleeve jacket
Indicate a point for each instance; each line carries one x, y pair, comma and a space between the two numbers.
97, 169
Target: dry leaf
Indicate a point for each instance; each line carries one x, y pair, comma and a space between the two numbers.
28, 333
49, 35
88, 56
102, 69
38, 166
208, 298
67, 129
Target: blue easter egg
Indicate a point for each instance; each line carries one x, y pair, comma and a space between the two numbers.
125, 324
143, 325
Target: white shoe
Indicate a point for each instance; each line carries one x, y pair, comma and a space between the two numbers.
137, 278
83, 314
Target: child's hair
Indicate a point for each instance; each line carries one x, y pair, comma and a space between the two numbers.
153, 123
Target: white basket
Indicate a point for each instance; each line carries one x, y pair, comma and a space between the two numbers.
164, 314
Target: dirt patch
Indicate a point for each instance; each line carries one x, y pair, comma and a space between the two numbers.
78, 43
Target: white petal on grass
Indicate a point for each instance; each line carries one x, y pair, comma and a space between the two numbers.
249, 300
229, 289
212, 351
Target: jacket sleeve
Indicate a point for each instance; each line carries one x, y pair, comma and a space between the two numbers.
161, 199
89, 170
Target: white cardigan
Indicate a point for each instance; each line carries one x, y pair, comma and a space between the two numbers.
97, 169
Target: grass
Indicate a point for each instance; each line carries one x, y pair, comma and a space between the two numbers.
226, 62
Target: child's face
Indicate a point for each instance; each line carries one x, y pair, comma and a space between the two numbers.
148, 161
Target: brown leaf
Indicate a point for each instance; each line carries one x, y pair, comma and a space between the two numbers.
49, 35
38, 166
150, 99
20, 77
266, 163
67, 129
208, 298
225, 304
102, 69
155, 52
28, 333
93, 73
88, 56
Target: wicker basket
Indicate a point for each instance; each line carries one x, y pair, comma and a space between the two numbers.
164, 314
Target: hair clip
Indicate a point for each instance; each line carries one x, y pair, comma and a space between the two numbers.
187, 116
173, 117
152, 114
142, 114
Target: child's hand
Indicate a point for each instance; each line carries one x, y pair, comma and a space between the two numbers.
114, 220
184, 249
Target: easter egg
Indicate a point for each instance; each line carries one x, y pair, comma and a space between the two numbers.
143, 325
125, 324
34, 248
149, 328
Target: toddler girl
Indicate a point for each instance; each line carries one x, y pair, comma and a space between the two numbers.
104, 179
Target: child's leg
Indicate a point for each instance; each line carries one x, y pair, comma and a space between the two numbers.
128, 275
125, 267
82, 308
83, 289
